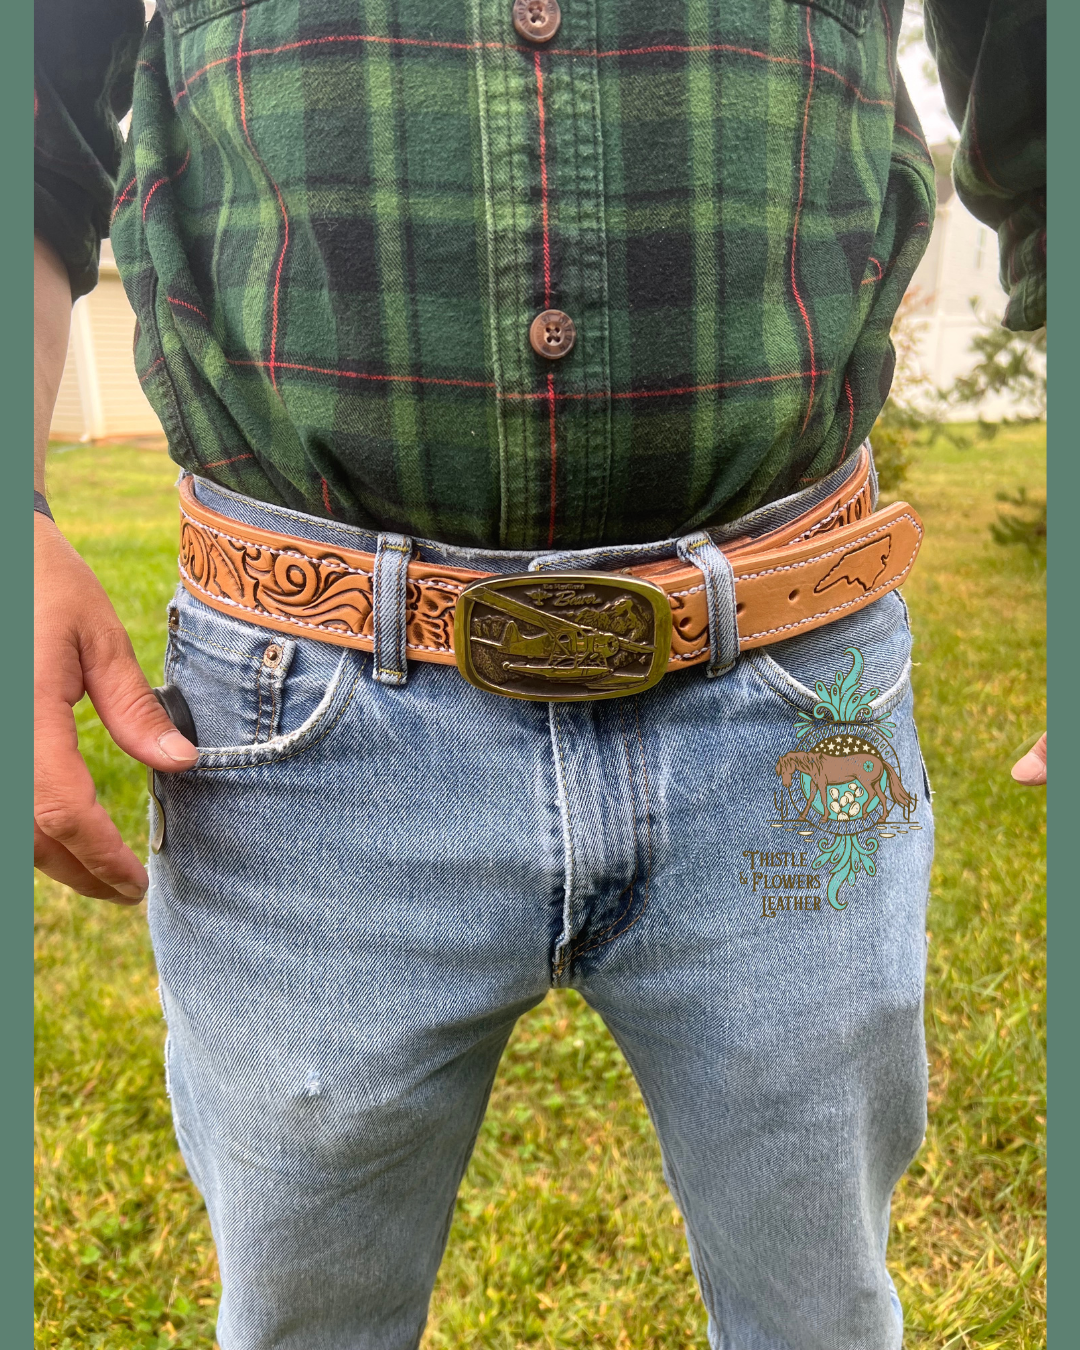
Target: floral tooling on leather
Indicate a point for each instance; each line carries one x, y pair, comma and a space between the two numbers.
842, 784
318, 590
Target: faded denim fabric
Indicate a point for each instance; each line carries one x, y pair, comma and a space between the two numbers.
363, 886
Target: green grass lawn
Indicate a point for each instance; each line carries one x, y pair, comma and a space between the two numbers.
565, 1234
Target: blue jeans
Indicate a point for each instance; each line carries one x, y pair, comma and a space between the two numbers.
363, 886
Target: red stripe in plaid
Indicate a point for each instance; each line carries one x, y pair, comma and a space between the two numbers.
355, 374
122, 199
513, 394
851, 418
151, 368
889, 47
913, 134
185, 305
584, 52
170, 179
220, 463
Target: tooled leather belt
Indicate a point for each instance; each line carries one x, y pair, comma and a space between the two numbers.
559, 635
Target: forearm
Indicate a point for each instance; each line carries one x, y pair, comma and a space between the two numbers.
52, 322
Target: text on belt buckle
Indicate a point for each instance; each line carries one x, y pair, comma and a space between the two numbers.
563, 636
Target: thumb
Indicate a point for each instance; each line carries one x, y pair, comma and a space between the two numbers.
1031, 770
126, 704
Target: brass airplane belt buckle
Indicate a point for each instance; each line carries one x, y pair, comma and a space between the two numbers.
563, 636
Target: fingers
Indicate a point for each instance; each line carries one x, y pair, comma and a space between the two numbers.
126, 704
1031, 770
66, 809
55, 861
80, 646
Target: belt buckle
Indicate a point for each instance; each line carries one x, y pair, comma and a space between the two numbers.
563, 637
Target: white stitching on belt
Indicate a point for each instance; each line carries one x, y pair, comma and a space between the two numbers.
885, 586
843, 548
289, 618
277, 552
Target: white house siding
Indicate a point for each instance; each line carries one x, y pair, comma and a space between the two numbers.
960, 266
100, 395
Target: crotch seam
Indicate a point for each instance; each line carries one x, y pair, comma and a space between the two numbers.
603, 941
582, 944
571, 871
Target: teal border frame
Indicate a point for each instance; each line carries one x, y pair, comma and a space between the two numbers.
16, 690
1063, 642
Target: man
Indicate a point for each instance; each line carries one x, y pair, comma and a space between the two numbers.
450, 313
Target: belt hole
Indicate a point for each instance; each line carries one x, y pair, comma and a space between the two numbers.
739, 607
794, 594
272, 656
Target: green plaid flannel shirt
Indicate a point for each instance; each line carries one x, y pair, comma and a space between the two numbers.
335, 220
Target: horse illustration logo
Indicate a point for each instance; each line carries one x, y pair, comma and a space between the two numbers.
844, 780
844, 763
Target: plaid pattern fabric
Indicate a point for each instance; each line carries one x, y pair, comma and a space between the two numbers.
336, 221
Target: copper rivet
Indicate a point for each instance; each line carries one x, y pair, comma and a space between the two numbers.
552, 334
537, 20
272, 655
174, 618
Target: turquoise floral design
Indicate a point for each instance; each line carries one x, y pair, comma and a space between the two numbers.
843, 701
845, 855
848, 812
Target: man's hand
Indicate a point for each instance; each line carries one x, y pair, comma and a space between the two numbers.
1031, 769
80, 647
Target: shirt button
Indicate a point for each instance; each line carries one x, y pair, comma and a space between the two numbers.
552, 334
537, 20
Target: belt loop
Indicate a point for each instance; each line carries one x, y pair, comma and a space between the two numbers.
389, 585
700, 550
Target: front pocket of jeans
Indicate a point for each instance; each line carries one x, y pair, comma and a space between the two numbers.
800, 669
255, 696
322, 722
847, 757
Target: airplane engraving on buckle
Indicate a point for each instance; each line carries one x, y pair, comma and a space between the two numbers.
563, 636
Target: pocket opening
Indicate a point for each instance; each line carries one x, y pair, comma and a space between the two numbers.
322, 721
881, 635
254, 694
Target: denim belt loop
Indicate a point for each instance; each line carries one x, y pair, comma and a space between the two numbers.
700, 550
389, 585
